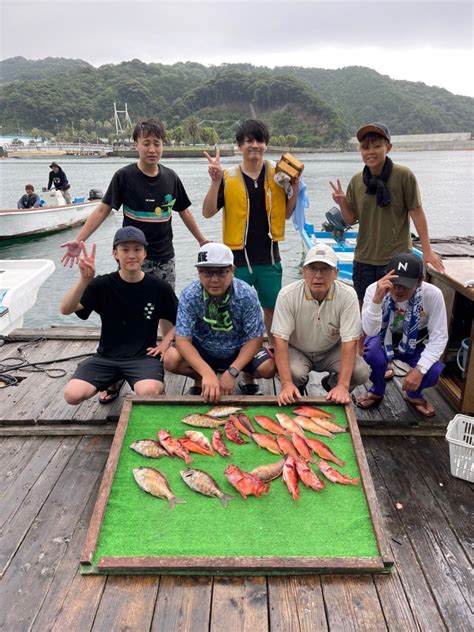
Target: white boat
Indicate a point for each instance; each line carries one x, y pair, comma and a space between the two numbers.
55, 215
20, 280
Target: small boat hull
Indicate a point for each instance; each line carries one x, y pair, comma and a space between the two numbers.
344, 248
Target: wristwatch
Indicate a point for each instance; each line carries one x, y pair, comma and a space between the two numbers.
233, 371
422, 369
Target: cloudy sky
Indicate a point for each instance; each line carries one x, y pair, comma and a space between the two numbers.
418, 41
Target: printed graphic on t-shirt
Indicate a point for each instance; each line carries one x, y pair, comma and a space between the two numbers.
159, 213
149, 309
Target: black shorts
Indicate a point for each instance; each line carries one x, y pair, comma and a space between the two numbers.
102, 372
364, 274
221, 364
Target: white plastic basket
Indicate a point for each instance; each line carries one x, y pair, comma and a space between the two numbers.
460, 435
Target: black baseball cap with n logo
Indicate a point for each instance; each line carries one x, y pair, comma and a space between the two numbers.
409, 268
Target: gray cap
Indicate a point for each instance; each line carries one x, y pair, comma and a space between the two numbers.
129, 233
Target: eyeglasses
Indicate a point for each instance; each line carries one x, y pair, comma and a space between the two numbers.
220, 273
322, 271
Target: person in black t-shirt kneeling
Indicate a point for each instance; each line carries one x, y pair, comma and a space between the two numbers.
130, 304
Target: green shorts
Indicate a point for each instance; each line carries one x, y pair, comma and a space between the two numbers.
266, 279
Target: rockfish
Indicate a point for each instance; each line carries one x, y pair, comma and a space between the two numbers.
223, 411
324, 451
267, 473
268, 424
241, 427
289, 424
302, 447
266, 441
149, 448
218, 443
173, 446
309, 478
291, 478
191, 446
246, 484
328, 425
335, 476
203, 483
232, 433
245, 421
203, 421
155, 483
200, 439
311, 411
311, 426
287, 447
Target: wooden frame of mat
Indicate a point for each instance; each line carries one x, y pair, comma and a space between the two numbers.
233, 565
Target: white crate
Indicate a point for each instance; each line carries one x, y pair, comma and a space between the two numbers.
460, 435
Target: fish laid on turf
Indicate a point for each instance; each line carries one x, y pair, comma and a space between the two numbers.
290, 477
245, 483
202, 482
302, 447
191, 446
203, 421
267, 423
173, 446
232, 433
266, 441
239, 425
218, 443
287, 447
307, 476
267, 473
149, 448
245, 421
311, 426
335, 476
200, 439
289, 424
324, 451
329, 425
223, 411
155, 483
311, 411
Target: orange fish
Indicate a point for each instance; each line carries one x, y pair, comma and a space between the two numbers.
200, 439
232, 433
191, 446
302, 447
287, 447
328, 425
246, 484
335, 476
266, 441
267, 473
310, 425
324, 451
218, 443
245, 421
311, 411
239, 425
309, 478
173, 446
289, 423
291, 478
268, 424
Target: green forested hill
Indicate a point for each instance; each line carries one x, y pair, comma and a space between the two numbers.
319, 107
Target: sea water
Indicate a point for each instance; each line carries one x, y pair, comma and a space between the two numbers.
445, 179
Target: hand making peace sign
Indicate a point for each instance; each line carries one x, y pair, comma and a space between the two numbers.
215, 170
338, 194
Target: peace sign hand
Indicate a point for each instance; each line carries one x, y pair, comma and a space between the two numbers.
214, 169
87, 262
384, 286
338, 195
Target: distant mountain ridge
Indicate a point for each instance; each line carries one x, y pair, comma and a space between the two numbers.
320, 107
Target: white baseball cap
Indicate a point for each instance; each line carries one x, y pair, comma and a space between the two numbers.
214, 255
322, 253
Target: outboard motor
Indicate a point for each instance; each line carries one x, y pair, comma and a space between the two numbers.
335, 224
95, 194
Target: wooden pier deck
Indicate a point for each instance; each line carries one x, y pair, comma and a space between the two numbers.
51, 463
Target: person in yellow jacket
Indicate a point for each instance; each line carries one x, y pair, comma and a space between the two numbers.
255, 209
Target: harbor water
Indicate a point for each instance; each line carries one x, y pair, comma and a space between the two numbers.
445, 179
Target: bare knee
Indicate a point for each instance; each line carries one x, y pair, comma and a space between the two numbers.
149, 387
266, 370
172, 360
77, 391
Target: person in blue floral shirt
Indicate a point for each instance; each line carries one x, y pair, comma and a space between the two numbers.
219, 329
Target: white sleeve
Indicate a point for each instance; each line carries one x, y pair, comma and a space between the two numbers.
371, 313
435, 310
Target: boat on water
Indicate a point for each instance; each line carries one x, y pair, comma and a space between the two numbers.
20, 280
54, 216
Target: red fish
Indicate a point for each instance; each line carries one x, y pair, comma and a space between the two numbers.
173, 446
218, 443
245, 421
289, 424
324, 451
192, 446
266, 441
302, 447
239, 425
200, 439
311, 411
291, 478
286, 447
232, 433
310, 425
246, 484
309, 478
267, 473
335, 476
268, 424
328, 425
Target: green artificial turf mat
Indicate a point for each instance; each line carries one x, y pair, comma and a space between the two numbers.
332, 523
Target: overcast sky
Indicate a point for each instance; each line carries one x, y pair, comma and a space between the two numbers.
418, 41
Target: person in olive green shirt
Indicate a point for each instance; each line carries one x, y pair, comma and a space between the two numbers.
382, 198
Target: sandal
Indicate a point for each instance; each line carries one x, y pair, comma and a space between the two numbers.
110, 394
389, 374
194, 390
368, 400
422, 406
249, 389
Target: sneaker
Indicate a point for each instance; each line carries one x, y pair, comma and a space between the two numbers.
302, 389
194, 390
328, 382
249, 389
